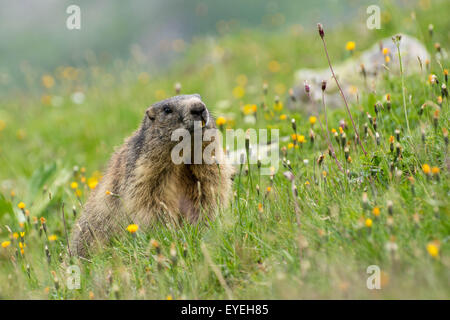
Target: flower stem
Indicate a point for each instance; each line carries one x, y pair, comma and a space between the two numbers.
403, 85
327, 135
343, 97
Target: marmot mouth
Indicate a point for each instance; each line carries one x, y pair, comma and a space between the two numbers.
193, 127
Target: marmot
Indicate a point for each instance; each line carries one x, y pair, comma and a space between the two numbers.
142, 183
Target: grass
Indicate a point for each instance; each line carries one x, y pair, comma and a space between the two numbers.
254, 249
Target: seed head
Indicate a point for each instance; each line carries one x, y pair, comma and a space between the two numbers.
320, 159
294, 125
265, 88
430, 30
390, 206
320, 28
177, 88
397, 134
444, 91
291, 94
437, 46
307, 87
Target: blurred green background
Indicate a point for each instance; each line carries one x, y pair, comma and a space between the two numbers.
34, 33
67, 98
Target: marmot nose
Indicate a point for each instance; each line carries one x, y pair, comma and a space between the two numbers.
199, 112
198, 109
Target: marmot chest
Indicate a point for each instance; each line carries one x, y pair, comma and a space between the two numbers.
185, 195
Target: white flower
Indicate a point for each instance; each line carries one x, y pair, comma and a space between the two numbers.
78, 97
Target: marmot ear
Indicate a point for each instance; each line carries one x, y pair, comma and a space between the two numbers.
150, 114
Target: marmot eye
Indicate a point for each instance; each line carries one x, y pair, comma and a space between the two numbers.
167, 110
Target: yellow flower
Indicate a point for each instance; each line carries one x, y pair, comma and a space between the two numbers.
52, 237
21, 205
324, 174
132, 228
391, 139
283, 117
307, 183
221, 121
353, 90
433, 250
238, 92
333, 130
74, 185
426, 168
376, 211
108, 193
290, 145
21, 134
260, 207
92, 182
78, 192
5, 244
274, 66
435, 170
294, 136
385, 51
42, 220
278, 106
387, 59
368, 223
48, 81
250, 108
350, 46
312, 120
301, 138
269, 189
15, 235
169, 297
154, 243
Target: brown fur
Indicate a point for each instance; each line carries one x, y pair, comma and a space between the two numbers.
145, 184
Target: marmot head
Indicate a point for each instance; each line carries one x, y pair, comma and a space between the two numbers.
179, 112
